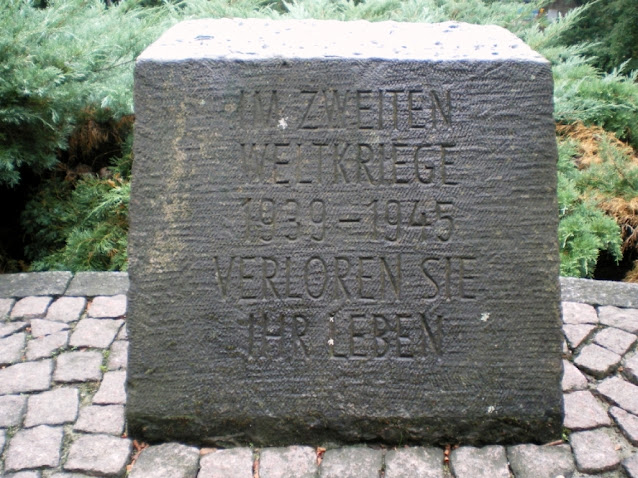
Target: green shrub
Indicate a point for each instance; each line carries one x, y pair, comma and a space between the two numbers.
584, 229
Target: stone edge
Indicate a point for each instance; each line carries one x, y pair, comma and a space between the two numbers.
598, 292
91, 284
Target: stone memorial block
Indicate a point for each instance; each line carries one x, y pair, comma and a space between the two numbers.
343, 232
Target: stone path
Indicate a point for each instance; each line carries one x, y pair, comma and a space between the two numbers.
63, 354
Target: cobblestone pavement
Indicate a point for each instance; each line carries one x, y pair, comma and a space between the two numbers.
63, 354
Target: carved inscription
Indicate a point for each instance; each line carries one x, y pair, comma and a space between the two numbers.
311, 145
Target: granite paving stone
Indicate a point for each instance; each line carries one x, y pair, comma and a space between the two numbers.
41, 327
579, 313
24, 474
69, 475
5, 307
8, 328
12, 348
46, 346
351, 462
616, 340
594, 451
414, 462
40, 283
123, 335
533, 461
597, 361
631, 369
66, 309
30, 307
487, 462
235, 462
107, 307
106, 419
625, 319
584, 411
620, 392
621, 294
26, 377
627, 422
118, 357
54, 407
289, 462
573, 379
576, 334
113, 389
12, 409
631, 465
102, 455
97, 333
80, 366
22, 454
91, 284
168, 460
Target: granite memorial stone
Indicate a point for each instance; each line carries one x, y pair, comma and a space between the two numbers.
343, 232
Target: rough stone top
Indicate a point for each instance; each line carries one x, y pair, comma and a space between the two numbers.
259, 39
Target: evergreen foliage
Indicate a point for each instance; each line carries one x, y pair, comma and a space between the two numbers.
611, 28
66, 109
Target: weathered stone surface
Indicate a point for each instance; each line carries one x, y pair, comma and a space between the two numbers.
54, 407
597, 361
123, 335
578, 313
69, 475
91, 284
41, 283
583, 411
576, 334
622, 393
66, 309
112, 390
616, 340
26, 377
486, 462
599, 292
594, 451
5, 307
573, 379
99, 455
168, 460
119, 355
11, 348
532, 461
631, 465
235, 462
81, 366
414, 462
9, 328
97, 333
309, 249
625, 319
630, 369
290, 462
351, 462
24, 474
46, 346
108, 419
40, 327
102, 307
30, 307
11, 410
627, 422
23, 453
